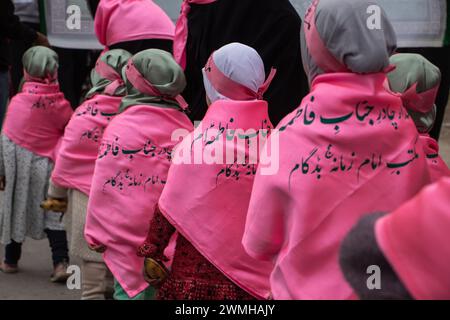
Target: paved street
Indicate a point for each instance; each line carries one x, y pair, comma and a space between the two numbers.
32, 282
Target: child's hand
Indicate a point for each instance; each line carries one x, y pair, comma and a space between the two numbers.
2, 183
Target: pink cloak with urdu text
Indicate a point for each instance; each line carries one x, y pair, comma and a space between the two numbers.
129, 176
207, 203
36, 118
75, 163
348, 150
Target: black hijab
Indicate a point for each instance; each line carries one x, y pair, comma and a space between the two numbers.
272, 27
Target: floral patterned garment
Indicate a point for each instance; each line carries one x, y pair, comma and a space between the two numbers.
192, 276
26, 176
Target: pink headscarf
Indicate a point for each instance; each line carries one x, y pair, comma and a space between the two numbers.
181, 31
415, 240
126, 20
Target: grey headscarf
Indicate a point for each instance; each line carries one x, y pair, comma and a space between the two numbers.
343, 26
117, 59
414, 69
40, 64
158, 68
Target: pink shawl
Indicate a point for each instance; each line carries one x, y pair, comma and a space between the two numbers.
415, 239
75, 163
130, 173
207, 203
126, 20
36, 118
181, 31
350, 148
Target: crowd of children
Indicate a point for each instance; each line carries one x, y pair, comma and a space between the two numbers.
266, 196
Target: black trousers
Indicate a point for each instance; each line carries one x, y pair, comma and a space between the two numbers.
58, 244
441, 58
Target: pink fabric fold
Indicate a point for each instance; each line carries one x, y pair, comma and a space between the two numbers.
419, 102
181, 31
126, 20
36, 118
129, 176
108, 72
436, 165
348, 150
75, 163
415, 239
207, 203
49, 79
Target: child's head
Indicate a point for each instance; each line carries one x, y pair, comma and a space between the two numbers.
235, 72
106, 77
154, 73
40, 64
346, 36
417, 80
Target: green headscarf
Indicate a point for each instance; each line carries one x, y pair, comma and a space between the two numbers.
414, 69
116, 59
159, 69
40, 64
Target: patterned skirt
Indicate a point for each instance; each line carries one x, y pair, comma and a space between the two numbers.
27, 176
193, 277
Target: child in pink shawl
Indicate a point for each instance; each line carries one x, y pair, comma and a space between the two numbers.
31, 135
206, 200
132, 166
390, 242
350, 148
417, 81
74, 167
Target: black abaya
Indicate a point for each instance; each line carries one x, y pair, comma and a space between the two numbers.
272, 27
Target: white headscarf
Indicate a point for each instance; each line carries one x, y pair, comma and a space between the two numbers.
239, 63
